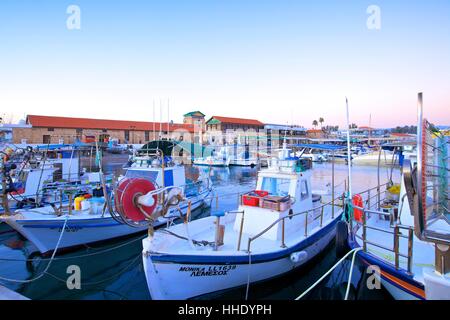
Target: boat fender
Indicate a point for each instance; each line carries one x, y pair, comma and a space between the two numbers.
341, 239
357, 201
299, 256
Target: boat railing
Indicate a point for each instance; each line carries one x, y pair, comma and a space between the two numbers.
395, 229
396, 233
290, 215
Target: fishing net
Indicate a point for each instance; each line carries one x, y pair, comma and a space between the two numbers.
434, 180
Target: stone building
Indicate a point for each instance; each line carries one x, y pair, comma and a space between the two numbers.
232, 130
47, 129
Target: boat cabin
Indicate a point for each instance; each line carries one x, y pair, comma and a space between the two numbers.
281, 190
151, 168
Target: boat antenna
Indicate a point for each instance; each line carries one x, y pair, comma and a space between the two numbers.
349, 153
168, 117
154, 119
160, 119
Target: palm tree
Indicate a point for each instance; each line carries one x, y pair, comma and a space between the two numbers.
321, 120
315, 123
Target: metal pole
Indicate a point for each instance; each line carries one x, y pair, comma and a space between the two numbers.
378, 179
349, 154
396, 245
283, 245
306, 224
240, 231
332, 185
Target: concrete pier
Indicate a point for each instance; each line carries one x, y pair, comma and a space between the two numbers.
8, 294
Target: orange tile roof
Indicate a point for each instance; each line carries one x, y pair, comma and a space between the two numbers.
314, 131
237, 121
86, 123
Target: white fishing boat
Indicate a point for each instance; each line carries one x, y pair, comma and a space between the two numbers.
314, 156
406, 234
242, 157
28, 173
220, 158
96, 219
275, 230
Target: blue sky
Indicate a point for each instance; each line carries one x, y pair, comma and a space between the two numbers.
277, 61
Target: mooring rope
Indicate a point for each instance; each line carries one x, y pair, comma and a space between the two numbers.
81, 255
104, 280
48, 265
354, 252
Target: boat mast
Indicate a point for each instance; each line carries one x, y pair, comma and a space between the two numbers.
349, 153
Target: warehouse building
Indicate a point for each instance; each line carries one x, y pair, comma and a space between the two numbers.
47, 129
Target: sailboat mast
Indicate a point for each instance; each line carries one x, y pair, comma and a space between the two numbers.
349, 152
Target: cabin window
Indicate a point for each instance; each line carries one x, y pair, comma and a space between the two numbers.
275, 186
304, 192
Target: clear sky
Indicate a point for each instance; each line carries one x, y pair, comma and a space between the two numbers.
278, 61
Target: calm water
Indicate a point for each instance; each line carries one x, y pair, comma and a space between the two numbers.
113, 270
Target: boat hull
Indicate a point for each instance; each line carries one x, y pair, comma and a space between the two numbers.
44, 233
397, 282
172, 279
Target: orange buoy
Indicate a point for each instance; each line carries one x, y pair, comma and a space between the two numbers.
357, 201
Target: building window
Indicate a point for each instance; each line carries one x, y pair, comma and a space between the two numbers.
147, 136
104, 130
79, 131
46, 139
127, 135
51, 129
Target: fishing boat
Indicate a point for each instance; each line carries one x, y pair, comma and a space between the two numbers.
28, 174
389, 154
314, 156
220, 158
275, 230
404, 229
91, 214
243, 157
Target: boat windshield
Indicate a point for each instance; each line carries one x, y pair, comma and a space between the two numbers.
147, 174
276, 186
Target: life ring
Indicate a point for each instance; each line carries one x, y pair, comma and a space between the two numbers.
357, 201
126, 199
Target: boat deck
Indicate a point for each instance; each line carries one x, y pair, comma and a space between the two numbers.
204, 230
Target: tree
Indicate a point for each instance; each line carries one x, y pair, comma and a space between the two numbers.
321, 120
315, 123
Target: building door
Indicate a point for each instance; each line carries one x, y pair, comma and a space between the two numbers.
46, 139
103, 138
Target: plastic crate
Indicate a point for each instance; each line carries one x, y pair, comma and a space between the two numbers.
253, 198
251, 201
276, 203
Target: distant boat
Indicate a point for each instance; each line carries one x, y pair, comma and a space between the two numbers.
221, 158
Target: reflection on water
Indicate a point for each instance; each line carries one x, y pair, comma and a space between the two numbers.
113, 270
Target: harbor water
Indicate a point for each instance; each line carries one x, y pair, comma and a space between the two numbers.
113, 270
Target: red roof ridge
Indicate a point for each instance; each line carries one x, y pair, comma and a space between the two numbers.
237, 120
89, 123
